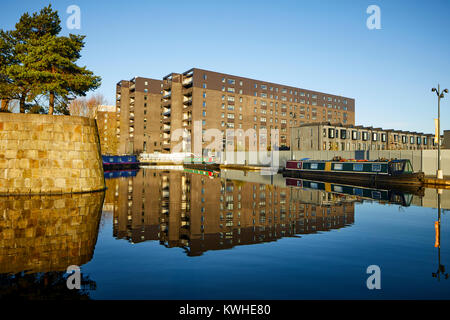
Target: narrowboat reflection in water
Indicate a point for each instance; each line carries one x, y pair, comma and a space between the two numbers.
382, 195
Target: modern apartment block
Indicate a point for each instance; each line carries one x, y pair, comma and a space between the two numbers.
342, 137
107, 128
162, 119
222, 101
138, 103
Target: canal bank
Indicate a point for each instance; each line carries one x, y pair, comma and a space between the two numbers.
48, 154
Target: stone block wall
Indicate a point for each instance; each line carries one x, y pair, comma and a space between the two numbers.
49, 232
48, 154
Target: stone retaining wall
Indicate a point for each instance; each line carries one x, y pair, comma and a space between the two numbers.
47, 154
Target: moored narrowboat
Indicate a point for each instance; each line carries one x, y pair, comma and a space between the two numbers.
120, 162
396, 172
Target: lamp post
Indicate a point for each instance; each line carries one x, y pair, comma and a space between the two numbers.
440, 95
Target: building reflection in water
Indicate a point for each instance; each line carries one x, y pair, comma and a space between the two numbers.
40, 236
200, 213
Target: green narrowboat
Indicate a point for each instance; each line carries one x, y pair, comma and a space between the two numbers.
396, 172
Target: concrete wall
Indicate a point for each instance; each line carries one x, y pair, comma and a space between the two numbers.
45, 154
48, 233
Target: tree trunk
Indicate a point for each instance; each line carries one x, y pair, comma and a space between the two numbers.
51, 103
22, 103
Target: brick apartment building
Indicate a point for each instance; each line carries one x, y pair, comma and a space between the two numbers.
149, 111
106, 123
138, 103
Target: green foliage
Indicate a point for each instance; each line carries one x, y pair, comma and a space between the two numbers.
35, 62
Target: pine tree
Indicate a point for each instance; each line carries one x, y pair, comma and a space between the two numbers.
36, 61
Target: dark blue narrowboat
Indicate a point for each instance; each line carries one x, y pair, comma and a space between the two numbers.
120, 162
396, 171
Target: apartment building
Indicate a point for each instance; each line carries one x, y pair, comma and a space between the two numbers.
138, 115
107, 128
222, 101
218, 101
345, 137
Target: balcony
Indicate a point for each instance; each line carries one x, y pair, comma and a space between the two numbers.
166, 120
166, 112
188, 92
167, 85
166, 128
187, 82
187, 101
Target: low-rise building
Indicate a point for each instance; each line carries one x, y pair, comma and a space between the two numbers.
341, 137
446, 142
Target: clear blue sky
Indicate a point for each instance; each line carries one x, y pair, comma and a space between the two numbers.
318, 45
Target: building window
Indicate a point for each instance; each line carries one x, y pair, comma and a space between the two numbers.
204, 86
365, 136
330, 133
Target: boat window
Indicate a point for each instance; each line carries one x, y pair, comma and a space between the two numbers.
376, 167
357, 167
314, 165
376, 195
358, 192
397, 167
338, 166
408, 167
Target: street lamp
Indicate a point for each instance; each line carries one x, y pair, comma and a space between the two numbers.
440, 95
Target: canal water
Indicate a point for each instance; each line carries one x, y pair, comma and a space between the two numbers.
187, 234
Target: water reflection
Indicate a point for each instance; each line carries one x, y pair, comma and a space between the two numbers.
199, 213
40, 236
441, 268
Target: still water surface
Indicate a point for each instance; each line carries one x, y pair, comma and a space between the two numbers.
174, 234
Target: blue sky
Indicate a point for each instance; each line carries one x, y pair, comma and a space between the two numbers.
318, 45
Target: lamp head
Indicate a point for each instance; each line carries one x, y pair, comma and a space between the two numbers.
446, 90
433, 90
